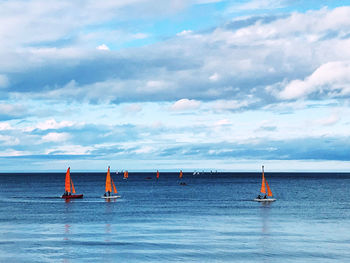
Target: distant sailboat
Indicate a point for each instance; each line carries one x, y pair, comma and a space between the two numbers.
67, 189
108, 188
264, 186
181, 176
126, 175
157, 174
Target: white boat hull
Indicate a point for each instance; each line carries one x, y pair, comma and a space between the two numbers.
265, 200
111, 197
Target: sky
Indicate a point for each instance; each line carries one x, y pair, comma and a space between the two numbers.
184, 84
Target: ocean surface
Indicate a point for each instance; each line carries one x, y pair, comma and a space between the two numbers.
211, 219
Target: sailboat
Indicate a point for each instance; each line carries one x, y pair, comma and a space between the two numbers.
126, 175
157, 174
180, 176
109, 184
264, 186
67, 189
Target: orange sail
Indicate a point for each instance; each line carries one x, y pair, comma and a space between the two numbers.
67, 184
157, 174
263, 189
108, 181
73, 189
126, 175
115, 189
68, 187
180, 176
269, 193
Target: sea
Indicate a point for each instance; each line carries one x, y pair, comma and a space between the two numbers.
210, 218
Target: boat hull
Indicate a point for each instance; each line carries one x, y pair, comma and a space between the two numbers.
72, 196
265, 200
111, 197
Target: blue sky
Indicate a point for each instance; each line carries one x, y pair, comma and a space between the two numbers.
169, 85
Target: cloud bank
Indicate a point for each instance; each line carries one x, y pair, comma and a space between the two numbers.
80, 80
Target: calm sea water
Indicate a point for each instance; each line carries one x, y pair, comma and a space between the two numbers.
211, 219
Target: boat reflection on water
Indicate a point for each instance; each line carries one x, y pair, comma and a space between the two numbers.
66, 231
109, 200
265, 243
108, 232
265, 217
108, 250
66, 238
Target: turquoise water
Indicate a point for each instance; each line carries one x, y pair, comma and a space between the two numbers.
211, 219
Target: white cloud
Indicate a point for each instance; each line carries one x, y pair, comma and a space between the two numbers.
230, 105
51, 124
144, 150
184, 33
12, 153
102, 47
68, 24
132, 108
13, 110
330, 120
258, 4
151, 86
55, 137
239, 62
5, 126
223, 122
185, 104
330, 79
70, 150
214, 77
246, 60
157, 125
9, 140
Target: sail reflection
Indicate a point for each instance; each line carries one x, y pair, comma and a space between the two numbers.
265, 242
66, 231
108, 233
